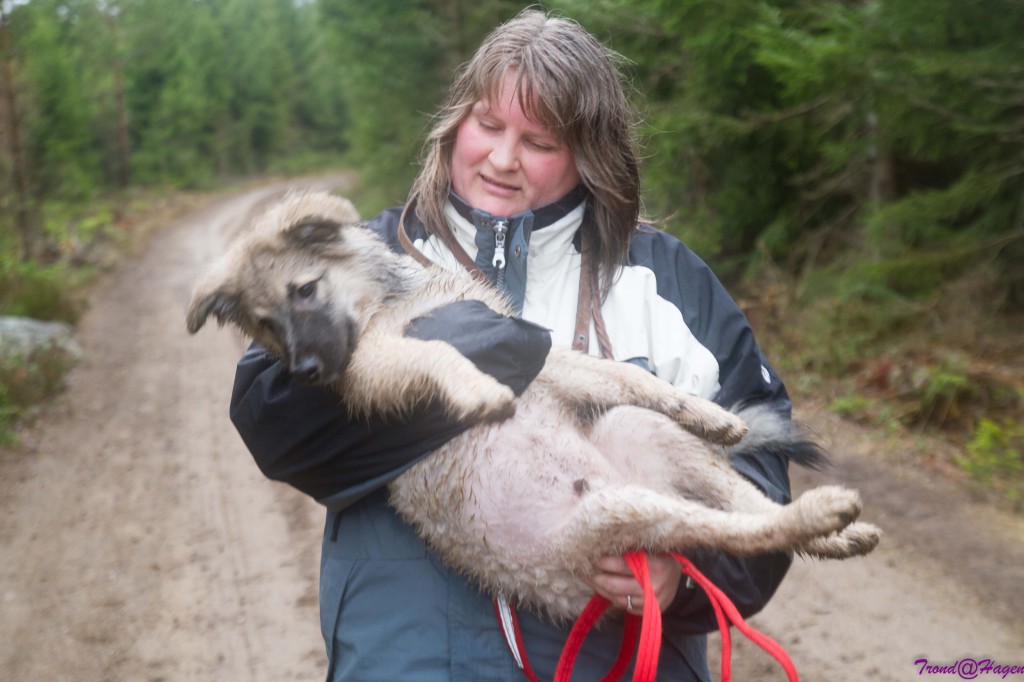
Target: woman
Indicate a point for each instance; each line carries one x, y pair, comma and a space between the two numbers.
530, 180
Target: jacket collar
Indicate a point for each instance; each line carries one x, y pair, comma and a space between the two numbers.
502, 243
542, 217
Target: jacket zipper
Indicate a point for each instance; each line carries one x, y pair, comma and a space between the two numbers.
500, 231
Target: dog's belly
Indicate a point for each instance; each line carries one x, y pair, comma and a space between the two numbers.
491, 502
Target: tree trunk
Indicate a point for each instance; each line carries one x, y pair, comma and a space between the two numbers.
22, 214
119, 104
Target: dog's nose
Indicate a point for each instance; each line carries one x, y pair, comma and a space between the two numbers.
307, 369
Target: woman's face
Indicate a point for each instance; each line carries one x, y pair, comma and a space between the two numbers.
504, 163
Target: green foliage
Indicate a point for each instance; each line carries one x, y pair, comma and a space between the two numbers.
838, 333
395, 59
855, 407
36, 291
180, 147
67, 223
723, 152
914, 274
27, 380
930, 216
228, 88
995, 458
212, 89
844, 316
812, 129
388, 99
59, 113
940, 393
797, 131
868, 410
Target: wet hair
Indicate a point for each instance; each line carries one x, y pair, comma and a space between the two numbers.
569, 82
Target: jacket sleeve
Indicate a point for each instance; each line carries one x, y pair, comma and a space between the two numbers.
745, 379
305, 437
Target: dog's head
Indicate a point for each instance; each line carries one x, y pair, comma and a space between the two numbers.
293, 283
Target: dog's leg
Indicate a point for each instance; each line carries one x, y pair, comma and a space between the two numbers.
616, 519
391, 374
677, 463
857, 539
594, 385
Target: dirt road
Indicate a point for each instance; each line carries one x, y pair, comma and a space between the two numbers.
138, 542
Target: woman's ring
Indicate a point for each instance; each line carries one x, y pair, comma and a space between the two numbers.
629, 602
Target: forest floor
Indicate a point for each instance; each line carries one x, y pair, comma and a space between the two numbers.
138, 542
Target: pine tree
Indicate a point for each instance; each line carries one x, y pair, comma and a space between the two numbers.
395, 59
807, 129
59, 130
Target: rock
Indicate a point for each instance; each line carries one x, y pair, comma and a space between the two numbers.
23, 335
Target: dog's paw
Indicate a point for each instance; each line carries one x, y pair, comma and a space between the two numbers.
827, 509
485, 400
857, 539
709, 421
860, 538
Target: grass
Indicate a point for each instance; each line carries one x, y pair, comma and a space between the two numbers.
26, 381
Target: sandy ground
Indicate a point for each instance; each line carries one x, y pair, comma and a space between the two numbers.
138, 542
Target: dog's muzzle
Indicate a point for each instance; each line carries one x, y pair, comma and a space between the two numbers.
320, 347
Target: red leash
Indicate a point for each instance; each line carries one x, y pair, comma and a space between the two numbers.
726, 612
648, 630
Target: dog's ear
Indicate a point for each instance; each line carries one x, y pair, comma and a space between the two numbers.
218, 301
316, 220
314, 232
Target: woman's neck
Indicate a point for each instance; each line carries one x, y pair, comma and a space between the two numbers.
542, 215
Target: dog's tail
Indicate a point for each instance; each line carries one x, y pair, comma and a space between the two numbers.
772, 431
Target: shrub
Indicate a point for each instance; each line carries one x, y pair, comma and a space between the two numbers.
942, 393
39, 292
856, 408
26, 380
995, 458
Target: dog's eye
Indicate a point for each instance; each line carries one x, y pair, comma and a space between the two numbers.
303, 288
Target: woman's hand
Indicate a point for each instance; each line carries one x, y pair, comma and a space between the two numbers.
613, 580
